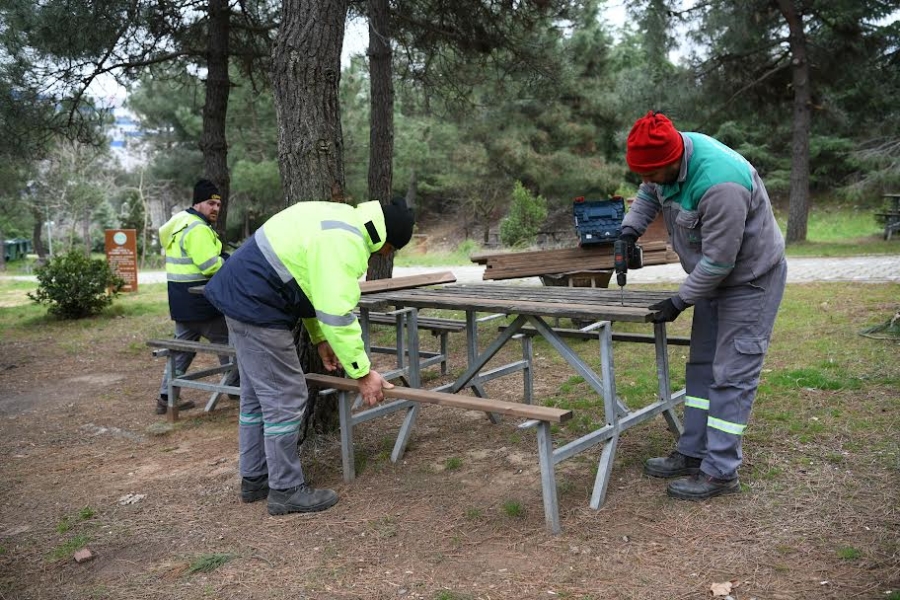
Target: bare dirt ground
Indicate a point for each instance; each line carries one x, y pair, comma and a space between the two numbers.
86, 464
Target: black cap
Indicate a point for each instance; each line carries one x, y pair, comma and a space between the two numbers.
204, 190
398, 223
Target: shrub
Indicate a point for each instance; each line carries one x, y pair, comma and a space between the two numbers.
75, 286
526, 215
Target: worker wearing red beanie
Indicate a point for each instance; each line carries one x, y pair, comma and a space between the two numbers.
721, 224
653, 143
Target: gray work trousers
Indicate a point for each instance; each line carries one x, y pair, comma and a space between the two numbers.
214, 330
273, 396
729, 338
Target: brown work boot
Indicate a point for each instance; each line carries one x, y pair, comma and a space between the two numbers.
301, 499
702, 486
162, 405
673, 465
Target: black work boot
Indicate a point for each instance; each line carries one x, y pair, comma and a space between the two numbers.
162, 405
673, 465
300, 499
702, 486
254, 488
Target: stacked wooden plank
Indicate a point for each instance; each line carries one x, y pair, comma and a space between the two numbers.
513, 265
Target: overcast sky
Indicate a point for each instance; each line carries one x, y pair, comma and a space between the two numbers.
356, 40
356, 34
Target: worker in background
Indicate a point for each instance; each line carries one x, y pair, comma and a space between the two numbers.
303, 264
722, 226
193, 255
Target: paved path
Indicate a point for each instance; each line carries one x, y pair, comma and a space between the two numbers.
864, 269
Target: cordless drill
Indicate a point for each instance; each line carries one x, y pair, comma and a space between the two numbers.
626, 256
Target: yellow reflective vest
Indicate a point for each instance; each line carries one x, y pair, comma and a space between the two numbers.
193, 254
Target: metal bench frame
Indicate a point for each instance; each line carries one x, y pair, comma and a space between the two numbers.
192, 380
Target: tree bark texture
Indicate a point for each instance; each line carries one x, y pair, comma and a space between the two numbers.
306, 78
36, 235
215, 109
798, 211
381, 121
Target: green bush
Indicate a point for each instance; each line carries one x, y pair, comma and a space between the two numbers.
526, 215
76, 286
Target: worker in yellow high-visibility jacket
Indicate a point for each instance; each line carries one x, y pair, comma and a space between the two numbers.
193, 255
302, 264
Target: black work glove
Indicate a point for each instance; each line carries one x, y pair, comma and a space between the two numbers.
666, 311
629, 239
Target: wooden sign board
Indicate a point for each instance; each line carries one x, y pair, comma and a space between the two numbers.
121, 254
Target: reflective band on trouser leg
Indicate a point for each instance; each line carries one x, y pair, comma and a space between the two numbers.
727, 427
276, 429
250, 419
694, 402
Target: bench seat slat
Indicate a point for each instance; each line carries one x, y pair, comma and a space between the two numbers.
433, 323
189, 346
526, 411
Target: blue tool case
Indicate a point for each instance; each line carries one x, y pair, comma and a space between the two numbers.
598, 221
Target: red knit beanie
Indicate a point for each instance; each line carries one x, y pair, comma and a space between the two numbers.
652, 143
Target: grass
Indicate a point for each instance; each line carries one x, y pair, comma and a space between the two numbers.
823, 384
452, 463
513, 508
849, 553
208, 563
70, 547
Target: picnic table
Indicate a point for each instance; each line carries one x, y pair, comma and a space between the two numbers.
890, 215
531, 308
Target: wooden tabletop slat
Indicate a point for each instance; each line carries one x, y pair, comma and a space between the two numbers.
581, 303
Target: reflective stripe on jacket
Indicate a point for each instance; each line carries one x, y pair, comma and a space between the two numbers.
305, 262
193, 254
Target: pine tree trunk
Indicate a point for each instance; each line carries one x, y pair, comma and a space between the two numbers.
381, 121
306, 77
798, 212
212, 141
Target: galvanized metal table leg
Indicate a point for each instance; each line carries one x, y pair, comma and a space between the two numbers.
214, 397
412, 327
444, 335
346, 422
662, 377
404, 433
527, 373
172, 413
472, 356
610, 408
398, 330
548, 477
